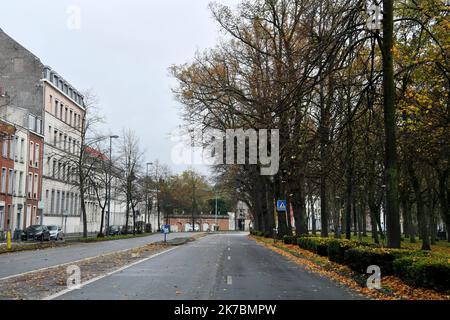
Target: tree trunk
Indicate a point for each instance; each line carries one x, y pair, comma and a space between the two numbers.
127, 215
364, 219
373, 223
83, 211
102, 221
134, 218
391, 168
268, 210
421, 217
299, 204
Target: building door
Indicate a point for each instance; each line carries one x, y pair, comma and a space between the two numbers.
19, 216
28, 217
2, 218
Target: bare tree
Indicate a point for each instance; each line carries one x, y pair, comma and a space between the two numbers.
129, 162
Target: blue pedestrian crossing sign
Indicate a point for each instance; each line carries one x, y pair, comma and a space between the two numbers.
281, 205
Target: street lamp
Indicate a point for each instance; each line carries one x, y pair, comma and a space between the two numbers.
157, 179
147, 215
110, 180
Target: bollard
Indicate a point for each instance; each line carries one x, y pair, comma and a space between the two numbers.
8, 240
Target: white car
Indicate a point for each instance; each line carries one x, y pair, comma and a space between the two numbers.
55, 233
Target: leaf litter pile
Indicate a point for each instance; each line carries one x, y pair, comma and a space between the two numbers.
41, 284
392, 287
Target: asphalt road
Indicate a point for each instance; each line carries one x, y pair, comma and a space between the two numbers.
24, 261
219, 266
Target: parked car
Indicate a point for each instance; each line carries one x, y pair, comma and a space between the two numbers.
55, 233
38, 233
115, 230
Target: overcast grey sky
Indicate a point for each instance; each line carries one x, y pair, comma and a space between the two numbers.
122, 51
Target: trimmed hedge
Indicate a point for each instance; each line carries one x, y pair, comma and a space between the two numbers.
358, 259
290, 240
315, 244
431, 272
337, 248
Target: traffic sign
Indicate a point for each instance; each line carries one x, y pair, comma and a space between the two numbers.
165, 229
281, 205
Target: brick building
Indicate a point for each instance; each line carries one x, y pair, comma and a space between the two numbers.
7, 132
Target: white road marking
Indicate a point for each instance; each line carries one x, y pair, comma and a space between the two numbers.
229, 257
65, 291
229, 280
73, 262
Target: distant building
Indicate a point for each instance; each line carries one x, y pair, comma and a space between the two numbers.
49, 115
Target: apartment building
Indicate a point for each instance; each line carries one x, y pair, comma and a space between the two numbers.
56, 113
63, 118
7, 132
48, 114
21, 168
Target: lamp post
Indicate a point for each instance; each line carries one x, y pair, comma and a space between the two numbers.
109, 182
147, 211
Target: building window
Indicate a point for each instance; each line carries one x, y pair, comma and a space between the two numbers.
39, 128
36, 156
61, 107
55, 138
22, 150
10, 181
57, 202
14, 183
32, 122
20, 183
56, 108
54, 169
36, 186
11, 147
30, 185
16, 149
31, 153
63, 203
52, 202
5, 147
3, 189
